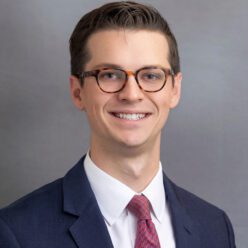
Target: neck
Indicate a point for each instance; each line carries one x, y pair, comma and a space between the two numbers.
133, 166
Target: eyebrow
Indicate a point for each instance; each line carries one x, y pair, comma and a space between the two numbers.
107, 65
116, 66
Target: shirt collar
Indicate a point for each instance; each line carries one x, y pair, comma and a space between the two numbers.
155, 193
113, 196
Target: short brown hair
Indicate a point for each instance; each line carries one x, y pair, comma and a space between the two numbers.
119, 15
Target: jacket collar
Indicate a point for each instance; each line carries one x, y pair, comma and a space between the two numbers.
186, 229
89, 230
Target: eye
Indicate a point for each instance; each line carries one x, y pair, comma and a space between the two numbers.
151, 76
110, 75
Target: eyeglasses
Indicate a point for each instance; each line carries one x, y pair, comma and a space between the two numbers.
149, 79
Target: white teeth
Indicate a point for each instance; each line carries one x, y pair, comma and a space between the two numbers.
132, 117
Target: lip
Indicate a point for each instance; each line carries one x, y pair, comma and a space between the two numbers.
130, 115
129, 111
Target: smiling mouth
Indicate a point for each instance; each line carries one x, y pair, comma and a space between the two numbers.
130, 117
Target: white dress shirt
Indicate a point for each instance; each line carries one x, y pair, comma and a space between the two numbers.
113, 196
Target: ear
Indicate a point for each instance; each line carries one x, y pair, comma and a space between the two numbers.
176, 90
76, 93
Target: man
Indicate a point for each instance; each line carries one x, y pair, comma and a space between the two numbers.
125, 75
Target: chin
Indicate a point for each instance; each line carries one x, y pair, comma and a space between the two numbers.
133, 143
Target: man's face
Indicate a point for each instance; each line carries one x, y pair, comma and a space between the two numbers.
129, 50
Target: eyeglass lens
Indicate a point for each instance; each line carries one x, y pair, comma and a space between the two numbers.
151, 79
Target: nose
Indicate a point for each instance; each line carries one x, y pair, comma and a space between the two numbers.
132, 91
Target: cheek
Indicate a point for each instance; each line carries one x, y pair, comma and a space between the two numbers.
162, 102
95, 107
166, 101
164, 114
163, 108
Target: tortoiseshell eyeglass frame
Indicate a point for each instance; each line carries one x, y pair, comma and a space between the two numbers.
95, 73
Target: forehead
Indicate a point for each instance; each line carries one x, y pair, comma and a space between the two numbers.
131, 49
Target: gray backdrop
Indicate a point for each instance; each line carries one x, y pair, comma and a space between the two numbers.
204, 146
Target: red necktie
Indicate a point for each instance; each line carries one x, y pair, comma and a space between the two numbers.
146, 236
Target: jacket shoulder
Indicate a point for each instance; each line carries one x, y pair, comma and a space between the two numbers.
210, 217
195, 205
35, 203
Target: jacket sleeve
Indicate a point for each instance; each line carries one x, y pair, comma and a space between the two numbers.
7, 238
230, 232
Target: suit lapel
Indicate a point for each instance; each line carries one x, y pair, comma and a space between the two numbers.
186, 229
89, 229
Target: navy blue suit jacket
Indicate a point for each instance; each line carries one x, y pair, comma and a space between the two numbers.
65, 214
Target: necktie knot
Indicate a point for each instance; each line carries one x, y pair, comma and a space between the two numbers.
146, 235
140, 207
